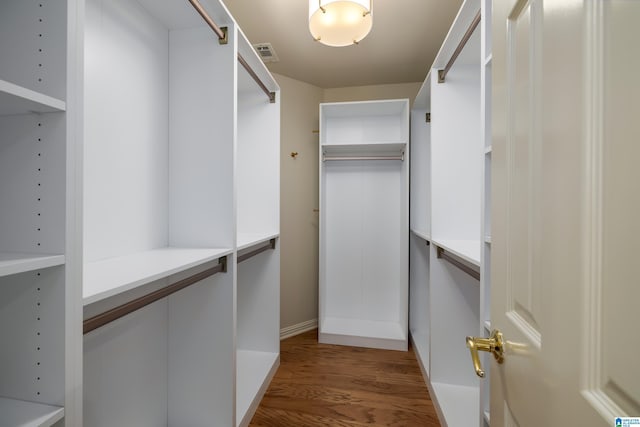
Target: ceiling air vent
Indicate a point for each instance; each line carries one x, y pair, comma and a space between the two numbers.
266, 52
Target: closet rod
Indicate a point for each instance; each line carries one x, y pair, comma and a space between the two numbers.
271, 244
325, 158
220, 32
442, 74
115, 313
442, 253
254, 76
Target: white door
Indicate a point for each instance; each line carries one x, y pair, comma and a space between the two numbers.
566, 212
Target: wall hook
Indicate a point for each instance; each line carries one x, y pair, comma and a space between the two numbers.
294, 154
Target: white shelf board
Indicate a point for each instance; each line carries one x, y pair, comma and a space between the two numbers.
488, 59
246, 240
468, 250
420, 343
460, 405
16, 99
487, 326
255, 369
363, 333
14, 263
487, 239
487, 417
487, 150
421, 234
19, 413
109, 277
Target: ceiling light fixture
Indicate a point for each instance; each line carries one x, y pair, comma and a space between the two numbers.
340, 22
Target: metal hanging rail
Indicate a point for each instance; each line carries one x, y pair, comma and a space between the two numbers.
254, 76
122, 310
331, 158
223, 38
442, 74
442, 253
271, 244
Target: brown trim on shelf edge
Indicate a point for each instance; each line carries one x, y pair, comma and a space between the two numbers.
122, 310
442, 253
271, 244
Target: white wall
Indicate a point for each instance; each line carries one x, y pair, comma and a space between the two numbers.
299, 187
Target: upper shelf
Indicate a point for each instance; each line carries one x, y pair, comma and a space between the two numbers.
16, 99
247, 240
14, 263
423, 235
468, 250
109, 277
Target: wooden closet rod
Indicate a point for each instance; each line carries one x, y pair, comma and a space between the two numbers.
325, 158
271, 244
442, 253
109, 316
442, 74
254, 76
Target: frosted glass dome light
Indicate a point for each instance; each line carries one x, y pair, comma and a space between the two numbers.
340, 22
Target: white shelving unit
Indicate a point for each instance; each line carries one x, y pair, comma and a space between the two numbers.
450, 195
181, 171
38, 289
258, 216
364, 173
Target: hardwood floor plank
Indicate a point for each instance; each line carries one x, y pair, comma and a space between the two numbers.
329, 385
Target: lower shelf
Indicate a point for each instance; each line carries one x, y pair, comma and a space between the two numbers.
363, 333
255, 369
459, 405
28, 414
420, 343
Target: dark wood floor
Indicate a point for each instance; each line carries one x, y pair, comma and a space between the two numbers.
327, 385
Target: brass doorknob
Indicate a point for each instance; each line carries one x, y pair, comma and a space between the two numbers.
493, 344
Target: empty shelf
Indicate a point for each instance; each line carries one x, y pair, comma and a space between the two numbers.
363, 333
468, 250
13, 263
422, 234
458, 404
487, 326
28, 414
109, 277
16, 99
246, 240
254, 372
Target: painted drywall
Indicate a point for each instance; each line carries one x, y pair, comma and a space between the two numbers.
367, 93
298, 198
299, 188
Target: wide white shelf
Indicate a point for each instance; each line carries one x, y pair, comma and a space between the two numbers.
487, 150
460, 405
468, 250
254, 372
363, 333
487, 417
19, 413
246, 240
16, 99
487, 239
14, 263
487, 326
109, 277
421, 234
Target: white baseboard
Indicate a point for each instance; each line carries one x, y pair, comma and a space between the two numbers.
293, 330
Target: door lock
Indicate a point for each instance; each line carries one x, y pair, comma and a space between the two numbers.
493, 344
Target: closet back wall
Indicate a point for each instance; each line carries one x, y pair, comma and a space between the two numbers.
299, 190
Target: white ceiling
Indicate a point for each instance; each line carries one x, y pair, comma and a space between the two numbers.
402, 45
